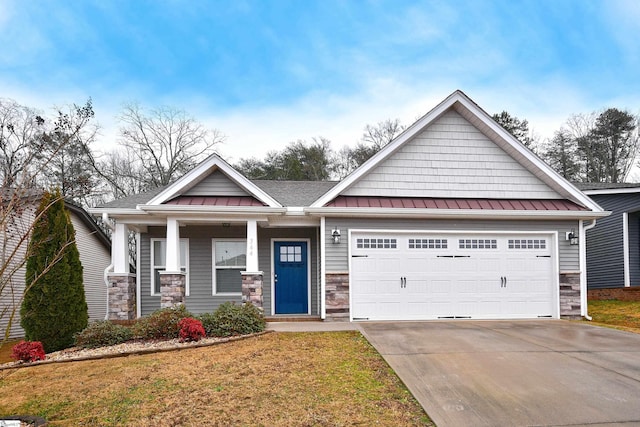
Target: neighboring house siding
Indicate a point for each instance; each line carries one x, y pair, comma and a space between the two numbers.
337, 259
605, 255
12, 288
216, 184
451, 158
200, 299
95, 257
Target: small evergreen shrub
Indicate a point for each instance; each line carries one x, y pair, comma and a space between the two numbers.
103, 333
161, 323
231, 319
191, 329
28, 351
208, 321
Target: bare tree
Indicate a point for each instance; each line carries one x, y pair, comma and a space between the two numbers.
164, 142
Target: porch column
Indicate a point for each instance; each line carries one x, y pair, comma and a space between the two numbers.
172, 280
121, 284
252, 278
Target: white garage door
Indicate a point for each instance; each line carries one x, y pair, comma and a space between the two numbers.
431, 276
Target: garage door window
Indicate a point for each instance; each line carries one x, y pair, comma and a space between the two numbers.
478, 244
428, 243
527, 244
376, 243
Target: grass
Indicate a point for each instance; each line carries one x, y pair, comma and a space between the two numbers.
277, 379
619, 314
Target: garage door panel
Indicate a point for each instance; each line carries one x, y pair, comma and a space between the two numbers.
428, 276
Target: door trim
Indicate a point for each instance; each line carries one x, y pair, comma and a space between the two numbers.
555, 253
273, 268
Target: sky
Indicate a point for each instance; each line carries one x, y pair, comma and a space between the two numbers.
269, 72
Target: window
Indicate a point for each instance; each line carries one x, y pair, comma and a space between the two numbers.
230, 258
427, 243
376, 243
477, 244
527, 244
290, 254
159, 262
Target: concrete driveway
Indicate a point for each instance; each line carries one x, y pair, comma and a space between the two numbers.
515, 373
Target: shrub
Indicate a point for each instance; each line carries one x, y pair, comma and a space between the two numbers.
161, 323
231, 319
191, 329
28, 351
54, 307
103, 333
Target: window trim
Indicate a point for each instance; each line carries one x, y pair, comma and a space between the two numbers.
153, 266
214, 268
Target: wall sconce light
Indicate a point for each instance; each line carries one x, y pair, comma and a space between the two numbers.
572, 237
336, 235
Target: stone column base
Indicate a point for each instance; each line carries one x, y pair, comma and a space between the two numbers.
570, 307
173, 287
252, 284
337, 297
122, 296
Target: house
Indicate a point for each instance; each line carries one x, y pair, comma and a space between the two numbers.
613, 246
453, 219
94, 247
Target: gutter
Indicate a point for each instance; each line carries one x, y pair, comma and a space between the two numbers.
583, 274
109, 269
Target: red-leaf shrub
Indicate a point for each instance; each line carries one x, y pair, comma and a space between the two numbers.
28, 351
191, 329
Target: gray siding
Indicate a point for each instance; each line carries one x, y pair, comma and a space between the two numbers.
216, 184
200, 299
95, 258
337, 255
451, 158
605, 262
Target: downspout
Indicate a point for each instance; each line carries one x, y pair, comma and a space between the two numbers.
109, 269
583, 273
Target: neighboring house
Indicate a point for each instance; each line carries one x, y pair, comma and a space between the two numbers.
453, 219
613, 246
94, 248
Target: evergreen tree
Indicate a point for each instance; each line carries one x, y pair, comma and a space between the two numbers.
54, 307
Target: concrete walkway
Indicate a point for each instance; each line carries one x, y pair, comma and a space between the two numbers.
515, 373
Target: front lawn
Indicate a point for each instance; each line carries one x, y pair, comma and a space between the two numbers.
277, 379
619, 314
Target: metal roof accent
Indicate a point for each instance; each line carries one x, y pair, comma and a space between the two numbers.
469, 204
215, 201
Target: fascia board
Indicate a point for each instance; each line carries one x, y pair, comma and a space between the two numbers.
388, 150
453, 213
612, 191
115, 211
213, 161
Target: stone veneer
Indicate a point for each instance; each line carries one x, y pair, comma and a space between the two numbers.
252, 288
570, 295
172, 289
122, 296
337, 297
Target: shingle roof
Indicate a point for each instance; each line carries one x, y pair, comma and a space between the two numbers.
130, 202
295, 193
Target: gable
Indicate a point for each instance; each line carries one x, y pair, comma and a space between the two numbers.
451, 158
216, 184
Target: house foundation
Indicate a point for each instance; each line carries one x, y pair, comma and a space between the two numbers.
122, 296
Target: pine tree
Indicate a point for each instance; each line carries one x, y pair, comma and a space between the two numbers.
54, 306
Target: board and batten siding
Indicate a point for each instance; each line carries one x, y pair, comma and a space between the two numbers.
605, 245
451, 158
337, 255
201, 298
95, 257
217, 184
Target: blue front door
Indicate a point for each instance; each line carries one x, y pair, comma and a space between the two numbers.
291, 278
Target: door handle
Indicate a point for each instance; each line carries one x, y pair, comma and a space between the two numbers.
502, 280
275, 278
505, 281
403, 282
